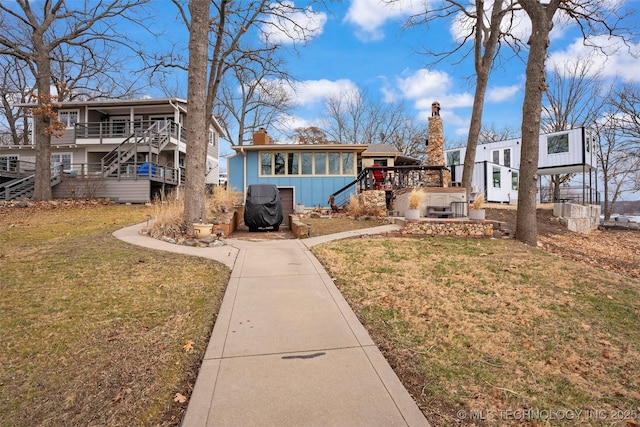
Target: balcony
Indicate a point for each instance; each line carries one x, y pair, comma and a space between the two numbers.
102, 131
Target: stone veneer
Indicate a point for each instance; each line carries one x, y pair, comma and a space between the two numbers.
435, 153
374, 202
448, 228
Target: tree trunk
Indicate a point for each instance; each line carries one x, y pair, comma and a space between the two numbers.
555, 185
474, 128
42, 121
541, 25
607, 209
197, 123
483, 63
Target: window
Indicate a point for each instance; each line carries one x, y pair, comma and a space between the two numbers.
280, 163
9, 163
265, 164
61, 160
292, 164
558, 144
496, 177
495, 157
68, 117
453, 158
514, 181
334, 163
307, 163
320, 163
347, 163
212, 138
507, 157
587, 143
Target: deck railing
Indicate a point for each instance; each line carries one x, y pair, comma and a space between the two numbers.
127, 128
390, 179
126, 170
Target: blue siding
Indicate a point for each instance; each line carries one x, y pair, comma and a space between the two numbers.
309, 190
235, 175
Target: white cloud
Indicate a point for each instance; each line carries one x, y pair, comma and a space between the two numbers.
309, 92
613, 59
288, 121
502, 93
424, 87
370, 15
292, 24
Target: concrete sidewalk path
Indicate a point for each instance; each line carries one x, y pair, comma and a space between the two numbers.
287, 350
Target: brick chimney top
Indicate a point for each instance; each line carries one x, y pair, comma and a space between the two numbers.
261, 137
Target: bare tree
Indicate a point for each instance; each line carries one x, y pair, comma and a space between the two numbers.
354, 117
32, 35
82, 75
618, 158
619, 145
627, 101
573, 99
254, 95
234, 28
14, 89
487, 25
593, 17
489, 133
310, 135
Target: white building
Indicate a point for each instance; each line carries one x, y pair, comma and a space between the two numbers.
496, 172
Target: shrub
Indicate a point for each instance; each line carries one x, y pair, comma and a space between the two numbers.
221, 200
477, 202
167, 216
355, 207
415, 197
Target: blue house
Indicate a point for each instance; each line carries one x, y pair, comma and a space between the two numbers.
304, 174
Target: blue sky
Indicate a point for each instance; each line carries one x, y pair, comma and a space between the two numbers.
362, 43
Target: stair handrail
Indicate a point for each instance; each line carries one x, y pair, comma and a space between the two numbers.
145, 136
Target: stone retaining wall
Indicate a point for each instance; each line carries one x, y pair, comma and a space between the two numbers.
374, 202
448, 228
299, 229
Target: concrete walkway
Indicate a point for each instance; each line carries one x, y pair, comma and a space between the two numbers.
286, 348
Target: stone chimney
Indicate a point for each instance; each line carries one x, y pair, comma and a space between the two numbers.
261, 137
435, 148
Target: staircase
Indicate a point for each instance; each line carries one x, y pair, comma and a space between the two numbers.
152, 141
17, 188
372, 178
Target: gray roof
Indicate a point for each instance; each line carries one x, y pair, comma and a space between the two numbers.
381, 149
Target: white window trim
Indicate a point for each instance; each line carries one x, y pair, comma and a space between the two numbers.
67, 112
313, 164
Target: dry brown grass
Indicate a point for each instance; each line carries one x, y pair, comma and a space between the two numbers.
167, 218
494, 325
415, 197
168, 214
355, 208
93, 329
221, 200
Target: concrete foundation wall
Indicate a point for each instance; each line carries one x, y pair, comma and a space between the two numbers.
432, 197
578, 218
